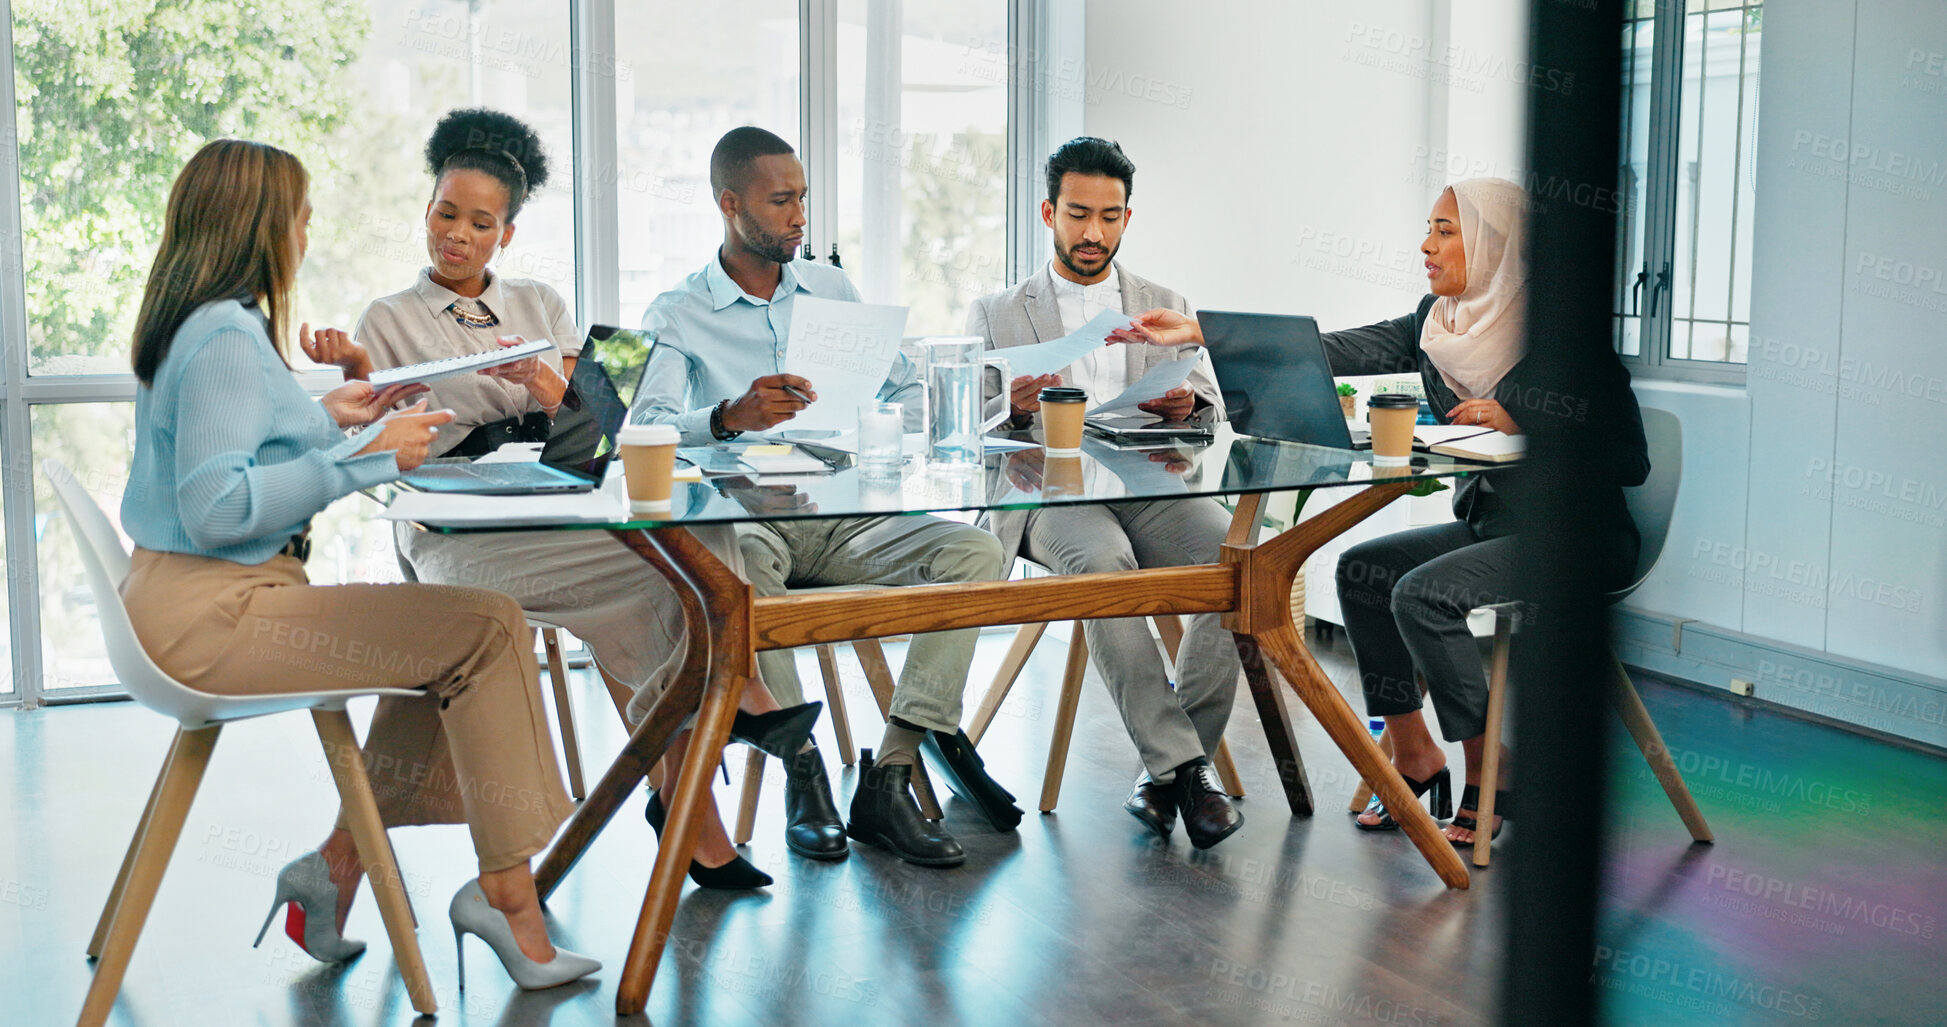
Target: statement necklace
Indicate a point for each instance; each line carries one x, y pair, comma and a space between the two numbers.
471, 313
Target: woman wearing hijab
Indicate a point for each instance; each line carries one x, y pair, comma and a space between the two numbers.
1406, 596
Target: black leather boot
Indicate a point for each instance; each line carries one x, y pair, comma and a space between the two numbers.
811, 825
885, 814
954, 757
1208, 816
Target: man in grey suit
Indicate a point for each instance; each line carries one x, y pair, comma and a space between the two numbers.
1087, 209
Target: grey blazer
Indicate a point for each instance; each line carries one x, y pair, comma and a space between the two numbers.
1028, 314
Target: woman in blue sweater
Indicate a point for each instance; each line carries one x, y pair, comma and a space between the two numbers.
232, 460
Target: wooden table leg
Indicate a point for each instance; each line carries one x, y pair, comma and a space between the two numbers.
726, 603
1277, 727
1263, 613
650, 739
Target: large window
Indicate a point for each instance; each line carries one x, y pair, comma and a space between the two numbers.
909, 154
686, 74
110, 102
922, 154
1690, 101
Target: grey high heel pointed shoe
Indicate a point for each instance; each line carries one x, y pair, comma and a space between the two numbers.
472, 915
304, 887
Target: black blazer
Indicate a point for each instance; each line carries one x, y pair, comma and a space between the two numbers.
1488, 503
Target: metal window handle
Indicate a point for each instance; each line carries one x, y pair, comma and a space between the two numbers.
1636, 293
1662, 283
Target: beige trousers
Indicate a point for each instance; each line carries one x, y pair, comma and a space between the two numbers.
475, 748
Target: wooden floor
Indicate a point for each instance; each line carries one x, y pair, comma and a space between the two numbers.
1822, 901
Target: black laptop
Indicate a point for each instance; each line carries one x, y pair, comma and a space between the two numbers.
1275, 380
582, 441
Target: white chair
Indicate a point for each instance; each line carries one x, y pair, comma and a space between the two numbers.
200, 717
1650, 506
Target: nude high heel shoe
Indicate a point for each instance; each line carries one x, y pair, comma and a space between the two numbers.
472, 915
304, 887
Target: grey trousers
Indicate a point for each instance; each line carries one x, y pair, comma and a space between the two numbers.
1169, 729
1406, 597
778, 555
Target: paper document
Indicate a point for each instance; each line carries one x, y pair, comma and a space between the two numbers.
1050, 357
1160, 379
845, 351
513, 453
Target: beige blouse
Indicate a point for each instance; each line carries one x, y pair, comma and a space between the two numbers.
418, 324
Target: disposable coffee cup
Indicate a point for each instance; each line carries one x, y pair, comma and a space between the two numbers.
1392, 415
648, 459
1061, 476
1061, 419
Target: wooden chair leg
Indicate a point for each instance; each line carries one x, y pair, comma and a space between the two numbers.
1364, 793
1497, 692
1650, 741
128, 859
368, 832
1169, 627
1227, 770
564, 711
747, 806
175, 791
878, 673
1018, 652
835, 705
1071, 696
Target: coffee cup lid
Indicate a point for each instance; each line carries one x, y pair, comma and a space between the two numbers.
1063, 394
1393, 400
647, 435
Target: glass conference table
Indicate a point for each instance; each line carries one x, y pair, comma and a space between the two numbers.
1250, 585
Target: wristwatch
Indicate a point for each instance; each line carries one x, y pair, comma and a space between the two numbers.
717, 430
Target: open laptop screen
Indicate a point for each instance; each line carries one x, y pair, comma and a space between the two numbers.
605, 377
1275, 381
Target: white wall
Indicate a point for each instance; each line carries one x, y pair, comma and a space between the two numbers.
1287, 154
1276, 170
1822, 519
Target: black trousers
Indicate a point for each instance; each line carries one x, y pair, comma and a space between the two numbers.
1406, 597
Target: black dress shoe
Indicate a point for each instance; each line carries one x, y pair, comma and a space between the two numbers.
737, 875
1208, 816
811, 825
954, 757
885, 814
1154, 805
780, 733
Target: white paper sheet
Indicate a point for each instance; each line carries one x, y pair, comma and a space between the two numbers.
1050, 357
1160, 379
845, 351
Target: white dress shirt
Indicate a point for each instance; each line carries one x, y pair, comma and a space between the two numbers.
1104, 372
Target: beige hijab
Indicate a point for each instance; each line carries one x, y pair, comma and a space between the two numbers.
1478, 336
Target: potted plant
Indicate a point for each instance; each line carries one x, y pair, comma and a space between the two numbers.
1346, 392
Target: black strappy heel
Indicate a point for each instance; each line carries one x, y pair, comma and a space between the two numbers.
1470, 800
1439, 802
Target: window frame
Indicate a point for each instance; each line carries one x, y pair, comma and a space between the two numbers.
1653, 275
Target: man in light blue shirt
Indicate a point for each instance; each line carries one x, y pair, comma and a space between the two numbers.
715, 373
